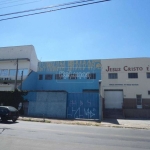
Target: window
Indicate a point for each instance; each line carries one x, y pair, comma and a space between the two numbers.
40, 77
48, 77
91, 76
25, 72
132, 75
4, 72
12, 72
148, 92
20, 73
112, 76
3, 110
148, 75
58, 76
91, 90
72, 76
139, 101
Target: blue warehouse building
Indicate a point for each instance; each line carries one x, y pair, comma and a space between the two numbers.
77, 81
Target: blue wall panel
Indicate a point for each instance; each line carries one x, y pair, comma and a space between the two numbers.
79, 67
83, 105
30, 83
31, 96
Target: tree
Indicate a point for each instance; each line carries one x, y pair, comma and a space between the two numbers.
12, 98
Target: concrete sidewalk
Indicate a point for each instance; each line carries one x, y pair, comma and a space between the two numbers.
117, 123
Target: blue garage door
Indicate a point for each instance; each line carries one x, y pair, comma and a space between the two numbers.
83, 106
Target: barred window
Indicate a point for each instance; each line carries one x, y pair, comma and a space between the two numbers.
40, 77
72, 76
48, 77
58, 76
112, 76
132, 75
91, 76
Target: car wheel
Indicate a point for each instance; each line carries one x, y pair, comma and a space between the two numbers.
14, 120
3, 119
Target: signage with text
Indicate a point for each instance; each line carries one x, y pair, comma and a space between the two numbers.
126, 68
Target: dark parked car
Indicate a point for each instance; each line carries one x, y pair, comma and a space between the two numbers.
8, 113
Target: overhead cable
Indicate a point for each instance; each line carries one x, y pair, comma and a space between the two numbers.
7, 2
21, 4
53, 6
63, 8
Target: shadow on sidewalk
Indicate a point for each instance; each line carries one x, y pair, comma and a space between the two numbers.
113, 121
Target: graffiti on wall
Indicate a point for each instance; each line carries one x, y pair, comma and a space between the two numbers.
69, 65
81, 111
83, 107
89, 113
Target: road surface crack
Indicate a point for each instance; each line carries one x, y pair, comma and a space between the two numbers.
3, 129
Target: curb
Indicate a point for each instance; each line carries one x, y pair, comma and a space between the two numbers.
78, 122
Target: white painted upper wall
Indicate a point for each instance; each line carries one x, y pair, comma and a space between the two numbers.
16, 52
27, 62
130, 87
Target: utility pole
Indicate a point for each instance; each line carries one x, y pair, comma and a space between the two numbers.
16, 75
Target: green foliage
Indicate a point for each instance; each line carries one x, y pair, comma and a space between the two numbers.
12, 98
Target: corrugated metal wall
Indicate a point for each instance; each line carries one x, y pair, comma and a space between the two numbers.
49, 104
83, 106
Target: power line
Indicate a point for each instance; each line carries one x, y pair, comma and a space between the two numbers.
7, 2
54, 10
59, 5
21, 4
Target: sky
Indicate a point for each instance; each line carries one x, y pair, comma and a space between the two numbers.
113, 29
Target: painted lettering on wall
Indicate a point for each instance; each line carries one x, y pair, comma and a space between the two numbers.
126, 68
69, 65
109, 69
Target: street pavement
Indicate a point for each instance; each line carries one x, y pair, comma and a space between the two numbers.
27, 135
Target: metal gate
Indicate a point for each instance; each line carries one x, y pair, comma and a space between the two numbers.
113, 99
83, 106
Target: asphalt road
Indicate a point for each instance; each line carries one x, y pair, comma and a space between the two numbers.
47, 136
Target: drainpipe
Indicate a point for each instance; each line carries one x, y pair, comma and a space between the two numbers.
21, 80
16, 76
100, 103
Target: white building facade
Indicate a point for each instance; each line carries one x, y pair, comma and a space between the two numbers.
125, 83
21, 59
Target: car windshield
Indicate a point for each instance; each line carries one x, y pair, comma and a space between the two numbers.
12, 108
